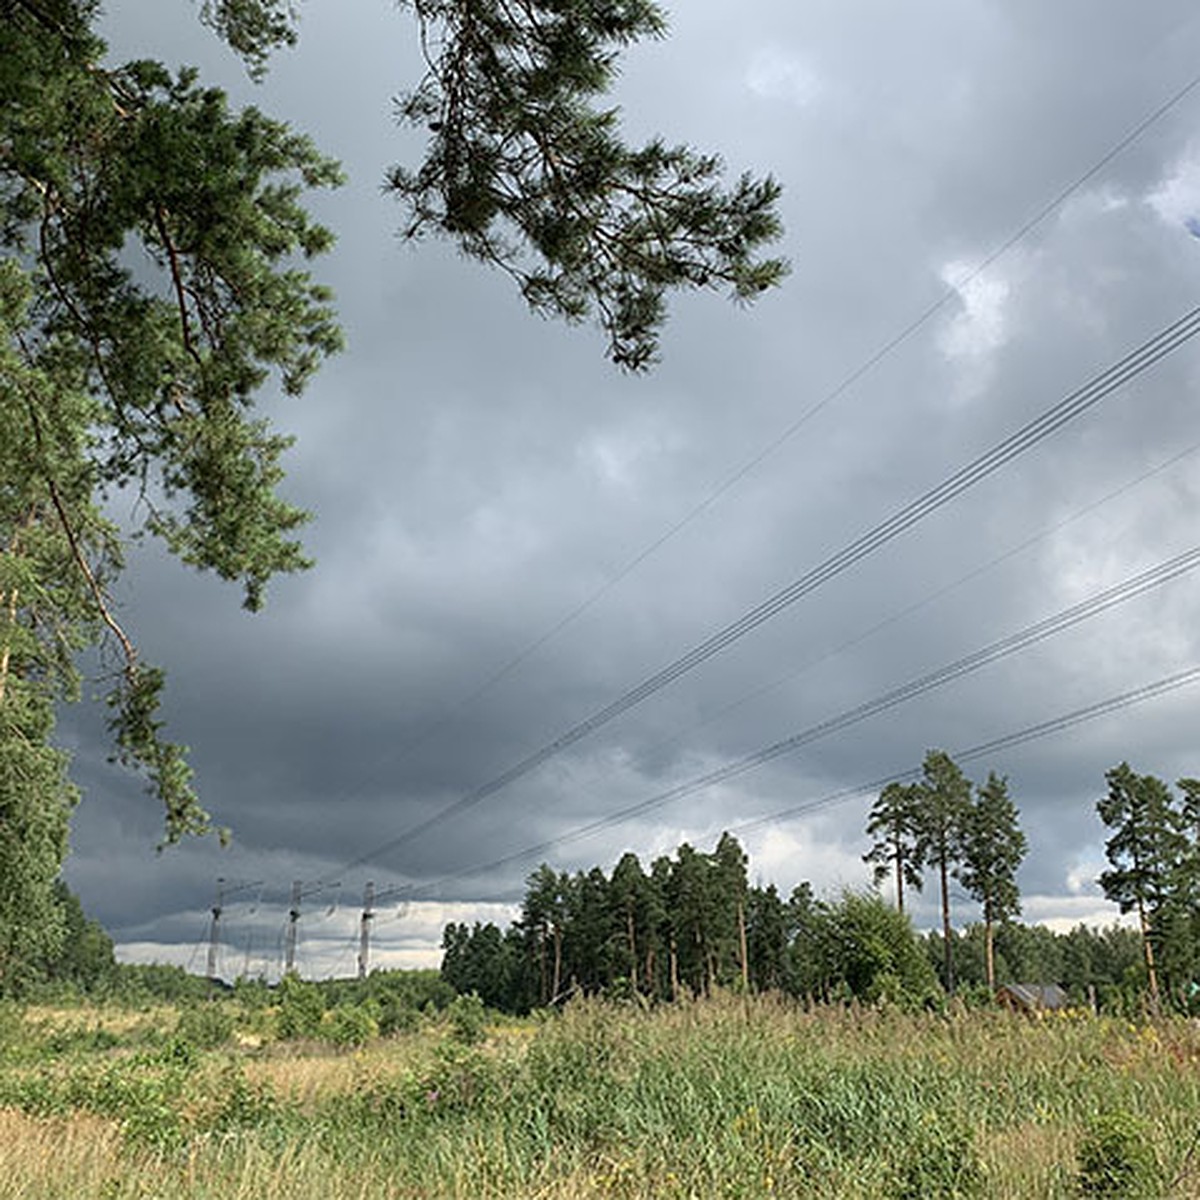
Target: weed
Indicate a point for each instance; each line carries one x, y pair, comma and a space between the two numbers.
468, 1019
941, 1160
1116, 1158
205, 1026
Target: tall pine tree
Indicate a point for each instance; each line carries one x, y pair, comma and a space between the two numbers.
894, 823
943, 800
1144, 850
992, 847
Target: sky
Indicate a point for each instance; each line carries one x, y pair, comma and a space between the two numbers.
511, 534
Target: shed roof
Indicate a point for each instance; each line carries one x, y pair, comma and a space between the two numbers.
1034, 995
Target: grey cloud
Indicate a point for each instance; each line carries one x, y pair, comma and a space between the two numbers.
477, 474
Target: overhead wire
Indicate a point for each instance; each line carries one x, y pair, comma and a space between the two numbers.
900, 615
1004, 647
891, 344
1058, 724
1073, 405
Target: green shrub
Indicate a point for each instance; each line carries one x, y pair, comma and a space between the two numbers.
1115, 1158
243, 1105
396, 1016
349, 1025
205, 1026
81, 1041
468, 1019
301, 1008
941, 1160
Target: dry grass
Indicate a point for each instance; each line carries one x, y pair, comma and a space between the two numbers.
728, 1097
121, 1022
54, 1159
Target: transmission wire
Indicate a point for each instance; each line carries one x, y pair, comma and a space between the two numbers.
1030, 434
730, 481
1101, 602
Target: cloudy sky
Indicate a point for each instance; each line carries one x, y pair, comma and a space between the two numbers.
511, 534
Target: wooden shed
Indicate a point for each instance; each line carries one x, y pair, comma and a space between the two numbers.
1032, 997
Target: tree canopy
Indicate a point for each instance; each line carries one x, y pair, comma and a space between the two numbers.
155, 279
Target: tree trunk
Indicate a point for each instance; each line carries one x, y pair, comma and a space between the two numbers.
899, 879
557, 963
949, 950
6, 653
9, 602
1148, 951
742, 947
543, 996
989, 948
629, 927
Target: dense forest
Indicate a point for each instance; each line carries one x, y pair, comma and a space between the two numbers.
693, 922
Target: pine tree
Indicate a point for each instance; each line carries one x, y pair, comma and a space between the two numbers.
145, 380
1144, 849
992, 847
767, 938
943, 799
894, 822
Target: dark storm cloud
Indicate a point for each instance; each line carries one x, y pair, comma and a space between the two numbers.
477, 475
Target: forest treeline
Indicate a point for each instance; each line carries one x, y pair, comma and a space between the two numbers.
692, 922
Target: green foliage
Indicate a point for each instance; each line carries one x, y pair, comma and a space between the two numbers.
349, 1025
468, 1019
205, 1026
869, 952
1116, 1158
894, 822
254, 28
993, 847
1151, 870
940, 1160
397, 1017
145, 380
525, 171
943, 805
1146, 840
111, 378
730, 1096
139, 985
301, 1007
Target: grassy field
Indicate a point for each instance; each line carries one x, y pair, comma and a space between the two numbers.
727, 1097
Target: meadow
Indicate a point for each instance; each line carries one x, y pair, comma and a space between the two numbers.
724, 1097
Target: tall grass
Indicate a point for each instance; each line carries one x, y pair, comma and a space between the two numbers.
728, 1097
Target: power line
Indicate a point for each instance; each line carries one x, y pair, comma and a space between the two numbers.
1026, 437
900, 615
1149, 691
1128, 589
731, 480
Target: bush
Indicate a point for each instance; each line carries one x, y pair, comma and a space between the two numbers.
205, 1026
349, 1025
395, 1016
468, 1019
1115, 1158
301, 1008
941, 1160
